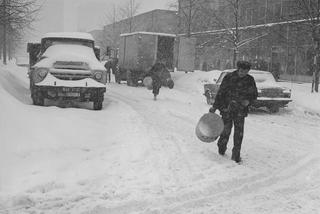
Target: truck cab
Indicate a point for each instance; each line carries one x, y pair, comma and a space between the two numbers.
66, 66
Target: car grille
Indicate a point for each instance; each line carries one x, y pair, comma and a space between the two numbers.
271, 92
73, 65
70, 76
71, 70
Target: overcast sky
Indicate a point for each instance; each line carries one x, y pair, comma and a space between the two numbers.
91, 14
79, 15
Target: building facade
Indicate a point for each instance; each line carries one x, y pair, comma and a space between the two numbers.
163, 21
269, 35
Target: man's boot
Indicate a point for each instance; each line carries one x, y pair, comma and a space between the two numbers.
236, 157
155, 97
222, 150
222, 146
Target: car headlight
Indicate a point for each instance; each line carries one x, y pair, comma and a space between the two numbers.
39, 74
98, 75
259, 91
287, 91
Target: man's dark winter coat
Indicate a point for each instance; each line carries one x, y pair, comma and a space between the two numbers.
233, 90
154, 73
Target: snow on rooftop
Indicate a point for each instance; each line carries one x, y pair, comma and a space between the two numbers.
148, 33
78, 35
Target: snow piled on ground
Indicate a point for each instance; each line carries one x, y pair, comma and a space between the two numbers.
141, 156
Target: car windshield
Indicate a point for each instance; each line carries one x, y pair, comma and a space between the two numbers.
57, 41
262, 77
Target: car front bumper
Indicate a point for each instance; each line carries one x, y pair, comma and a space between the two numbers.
81, 90
268, 101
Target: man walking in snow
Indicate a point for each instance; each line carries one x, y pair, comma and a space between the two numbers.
155, 73
237, 91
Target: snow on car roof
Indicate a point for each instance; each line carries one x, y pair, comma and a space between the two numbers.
78, 35
149, 33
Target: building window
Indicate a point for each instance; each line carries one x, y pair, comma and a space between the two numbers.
249, 16
277, 10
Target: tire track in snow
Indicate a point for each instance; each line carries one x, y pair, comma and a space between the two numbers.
238, 188
235, 187
167, 146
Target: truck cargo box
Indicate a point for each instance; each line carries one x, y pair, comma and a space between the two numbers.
138, 51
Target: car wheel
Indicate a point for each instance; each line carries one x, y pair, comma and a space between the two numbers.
98, 102
129, 78
97, 105
273, 109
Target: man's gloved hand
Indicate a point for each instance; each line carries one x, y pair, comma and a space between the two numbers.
212, 110
245, 103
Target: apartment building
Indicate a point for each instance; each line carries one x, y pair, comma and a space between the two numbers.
271, 34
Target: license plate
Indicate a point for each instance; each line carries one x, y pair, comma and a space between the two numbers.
70, 89
70, 94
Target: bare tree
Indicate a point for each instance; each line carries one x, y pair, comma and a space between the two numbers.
190, 14
229, 27
110, 31
309, 12
15, 16
127, 11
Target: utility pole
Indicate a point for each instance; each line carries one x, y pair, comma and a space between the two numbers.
4, 33
236, 42
316, 74
189, 18
131, 15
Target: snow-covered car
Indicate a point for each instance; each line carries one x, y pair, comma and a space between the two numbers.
66, 66
270, 93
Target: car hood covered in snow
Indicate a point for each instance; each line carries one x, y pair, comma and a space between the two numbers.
69, 53
269, 84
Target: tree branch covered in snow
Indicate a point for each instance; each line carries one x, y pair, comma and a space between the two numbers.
15, 16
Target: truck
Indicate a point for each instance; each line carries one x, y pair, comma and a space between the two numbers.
66, 66
138, 51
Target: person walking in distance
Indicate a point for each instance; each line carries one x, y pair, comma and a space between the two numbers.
154, 73
236, 93
108, 66
115, 68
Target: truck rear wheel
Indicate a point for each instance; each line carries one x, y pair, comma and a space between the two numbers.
129, 78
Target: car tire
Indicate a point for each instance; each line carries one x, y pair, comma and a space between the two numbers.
98, 102
274, 109
97, 105
129, 78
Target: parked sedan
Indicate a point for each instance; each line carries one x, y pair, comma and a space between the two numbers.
270, 94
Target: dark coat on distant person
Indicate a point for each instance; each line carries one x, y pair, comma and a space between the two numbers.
155, 73
108, 65
233, 90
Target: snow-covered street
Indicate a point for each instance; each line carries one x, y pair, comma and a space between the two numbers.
138, 155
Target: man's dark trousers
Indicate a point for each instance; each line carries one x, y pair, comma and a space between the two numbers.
229, 120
